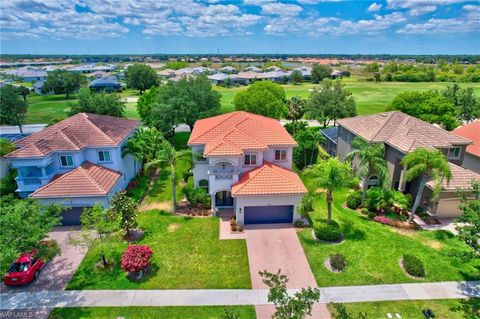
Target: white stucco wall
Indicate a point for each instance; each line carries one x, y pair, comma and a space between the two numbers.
245, 201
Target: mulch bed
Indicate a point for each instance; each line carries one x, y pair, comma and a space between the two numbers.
134, 235
329, 267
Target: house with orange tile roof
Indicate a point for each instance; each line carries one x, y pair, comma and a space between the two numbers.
401, 134
244, 162
77, 162
472, 153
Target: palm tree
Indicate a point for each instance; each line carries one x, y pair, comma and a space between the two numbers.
330, 175
168, 155
296, 108
371, 161
425, 165
144, 144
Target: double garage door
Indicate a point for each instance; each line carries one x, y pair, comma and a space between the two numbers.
71, 217
268, 214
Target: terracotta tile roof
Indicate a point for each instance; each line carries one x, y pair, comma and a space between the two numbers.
461, 178
472, 132
75, 133
401, 131
268, 179
86, 180
231, 134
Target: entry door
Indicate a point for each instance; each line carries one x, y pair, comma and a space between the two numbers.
223, 199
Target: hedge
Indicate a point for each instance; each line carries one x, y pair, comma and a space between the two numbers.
327, 232
413, 266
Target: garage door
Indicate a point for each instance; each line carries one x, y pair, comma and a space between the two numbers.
71, 217
448, 208
268, 214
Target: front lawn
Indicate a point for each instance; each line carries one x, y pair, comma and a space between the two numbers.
211, 312
412, 309
373, 251
187, 255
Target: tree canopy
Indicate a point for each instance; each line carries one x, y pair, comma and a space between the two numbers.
469, 231
331, 102
466, 103
429, 106
63, 82
140, 77
320, 72
101, 103
296, 108
24, 222
173, 103
262, 97
296, 77
13, 109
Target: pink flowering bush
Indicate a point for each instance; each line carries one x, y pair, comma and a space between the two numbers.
383, 220
136, 258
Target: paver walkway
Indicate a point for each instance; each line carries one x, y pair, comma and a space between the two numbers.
130, 298
274, 247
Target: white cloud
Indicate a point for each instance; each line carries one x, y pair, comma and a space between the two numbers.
316, 1
417, 11
281, 9
407, 4
374, 7
257, 2
453, 25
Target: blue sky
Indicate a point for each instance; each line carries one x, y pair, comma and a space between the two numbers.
242, 26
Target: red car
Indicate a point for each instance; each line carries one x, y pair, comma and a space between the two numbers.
25, 270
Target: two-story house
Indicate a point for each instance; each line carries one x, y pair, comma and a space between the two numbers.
244, 161
471, 131
77, 162
401, 134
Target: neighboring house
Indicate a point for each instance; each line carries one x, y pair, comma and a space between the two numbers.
109, 83
28, 74
275, 76
245, 77
76, 162
471, 131
306, 72
274, 68
167, 73
337, 74
228, 69
244, 162
219, 78
330, 143
252, 69
401, 134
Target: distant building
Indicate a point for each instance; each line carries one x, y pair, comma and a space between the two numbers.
228, 69
28, 74
252, 68
109, 84
219, 78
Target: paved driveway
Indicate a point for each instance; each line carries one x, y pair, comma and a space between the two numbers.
56, 274
273, 247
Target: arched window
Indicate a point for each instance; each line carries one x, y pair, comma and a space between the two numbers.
203, 184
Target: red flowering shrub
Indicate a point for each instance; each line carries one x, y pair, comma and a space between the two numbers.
383, 220
132, 184
136, 258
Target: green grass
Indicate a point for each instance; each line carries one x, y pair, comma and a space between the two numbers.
412, 309
370, 97
373, 250
211, 312
187, 255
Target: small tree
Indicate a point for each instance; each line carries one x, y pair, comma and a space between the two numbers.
63, 82
13, 109
126, 208
297, 306
24, 92
330, 175
469, 232
296, 108
425, 165
262, 97
101, 103
144, 145
320, 72
296, 77
464, 100
141, 77
136, 258
99, 226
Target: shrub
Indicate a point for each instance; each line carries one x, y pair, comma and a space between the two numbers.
48, 249
365, 211
371, 215
413, 266
383, 220
327, 232
196, 196
354, 200
136, 258
376, 199
186, 176
306, 205
299, 224
338, 262
8, 185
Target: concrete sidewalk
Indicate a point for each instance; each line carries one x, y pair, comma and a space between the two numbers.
130, 298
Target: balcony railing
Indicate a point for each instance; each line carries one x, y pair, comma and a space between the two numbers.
32, 181
219, 170
223, 176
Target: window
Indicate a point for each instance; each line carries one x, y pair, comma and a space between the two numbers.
66, 160
280, 155
198, 157
103, 156
454, 152
203, 184
250, 159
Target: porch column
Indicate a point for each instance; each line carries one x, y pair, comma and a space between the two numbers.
402, 182
212, 199
44, 173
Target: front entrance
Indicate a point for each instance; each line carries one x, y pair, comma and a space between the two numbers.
223, 199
